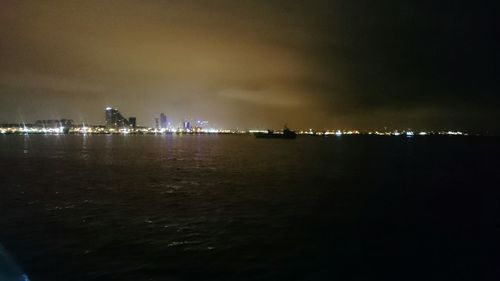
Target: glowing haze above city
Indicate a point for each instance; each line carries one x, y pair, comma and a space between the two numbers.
253, 64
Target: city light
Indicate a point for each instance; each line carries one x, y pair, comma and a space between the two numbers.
85, 128
116, 123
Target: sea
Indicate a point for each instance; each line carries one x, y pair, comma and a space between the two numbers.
233, 207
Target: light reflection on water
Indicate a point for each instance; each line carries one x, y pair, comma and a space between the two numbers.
237, 208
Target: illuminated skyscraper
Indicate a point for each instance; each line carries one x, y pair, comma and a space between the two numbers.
132, 121
114, 119
163, 121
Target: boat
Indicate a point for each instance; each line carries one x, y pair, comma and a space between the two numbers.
285, 134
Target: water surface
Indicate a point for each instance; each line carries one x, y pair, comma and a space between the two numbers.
230, 207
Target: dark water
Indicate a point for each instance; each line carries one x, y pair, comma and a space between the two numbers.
239, 208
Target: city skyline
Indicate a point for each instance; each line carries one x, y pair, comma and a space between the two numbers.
113, 118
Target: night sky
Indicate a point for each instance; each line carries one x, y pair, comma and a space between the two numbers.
254, 64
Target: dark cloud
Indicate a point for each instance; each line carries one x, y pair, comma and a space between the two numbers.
366, 64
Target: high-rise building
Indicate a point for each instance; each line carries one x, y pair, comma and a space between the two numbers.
132, 121
114, 119
157, 123
54, 123
64, 124
163, 121
186, 125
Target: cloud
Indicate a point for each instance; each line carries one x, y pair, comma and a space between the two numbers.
243, 62
262, 98
49, 83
